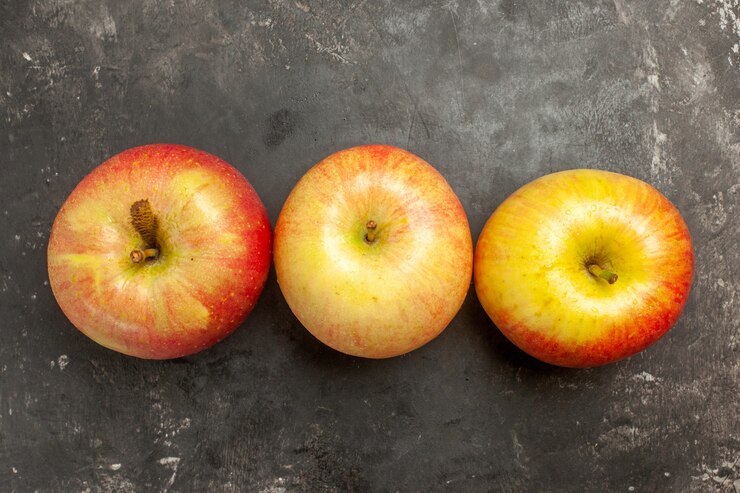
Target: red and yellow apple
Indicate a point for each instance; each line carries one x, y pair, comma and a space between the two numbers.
584, 267
160, 252
373, 251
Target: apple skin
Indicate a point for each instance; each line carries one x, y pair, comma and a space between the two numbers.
386, 298
531, 271
214, 237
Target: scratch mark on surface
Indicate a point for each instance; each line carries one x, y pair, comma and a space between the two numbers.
520, 456
459, 59
335, 51
658, 167
402, 77
650, 57
411, 128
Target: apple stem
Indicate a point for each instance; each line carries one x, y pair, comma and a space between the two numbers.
145, 223
370, 235
138, 256
605, 274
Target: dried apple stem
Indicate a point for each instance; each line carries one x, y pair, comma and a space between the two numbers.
138, 256
145, 223
371, 226
605, 274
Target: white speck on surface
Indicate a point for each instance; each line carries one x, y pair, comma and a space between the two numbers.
728, 12
27, 56
52, 364
624, 438
631, 488
277, 485
63, 361
654, 80
171, 462
625, 16
115, 467
647, 377
17, 237
15, 471
304, 7
105, 27
722, 479
714, 215
109, 26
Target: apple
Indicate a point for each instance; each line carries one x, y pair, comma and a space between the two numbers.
159, 252
584, 267
373, 251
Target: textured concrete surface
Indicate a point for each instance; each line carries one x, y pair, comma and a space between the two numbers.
492, 92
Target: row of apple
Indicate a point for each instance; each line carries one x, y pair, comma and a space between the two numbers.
163, 250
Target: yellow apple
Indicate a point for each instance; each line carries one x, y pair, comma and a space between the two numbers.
584, 267
373, 251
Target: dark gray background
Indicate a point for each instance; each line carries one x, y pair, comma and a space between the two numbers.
494, 94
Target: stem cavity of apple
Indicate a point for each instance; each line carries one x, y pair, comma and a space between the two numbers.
145, 223
371, 226
605, 274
